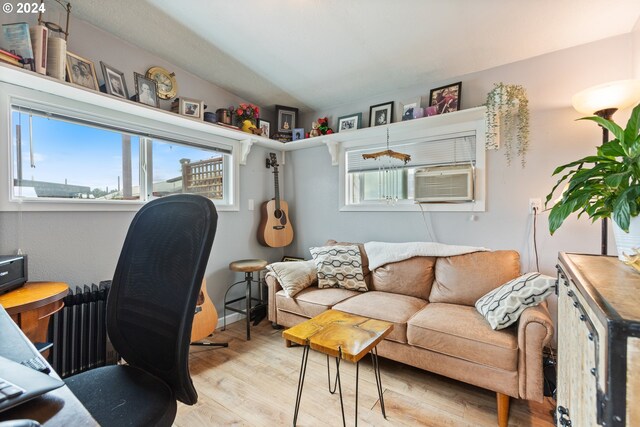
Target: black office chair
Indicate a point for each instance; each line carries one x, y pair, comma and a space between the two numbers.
150, 309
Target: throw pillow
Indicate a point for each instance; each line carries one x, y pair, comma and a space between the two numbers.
502, 306
294, 276
339, 267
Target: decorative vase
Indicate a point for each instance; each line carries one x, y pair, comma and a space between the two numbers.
625, 242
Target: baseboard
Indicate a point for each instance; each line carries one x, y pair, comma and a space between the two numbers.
231, 318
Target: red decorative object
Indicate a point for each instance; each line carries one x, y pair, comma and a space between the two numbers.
245, 112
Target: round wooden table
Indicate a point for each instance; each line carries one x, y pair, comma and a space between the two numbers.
31, 305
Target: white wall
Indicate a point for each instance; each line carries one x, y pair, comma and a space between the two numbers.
83, 247
556, 138
636, 50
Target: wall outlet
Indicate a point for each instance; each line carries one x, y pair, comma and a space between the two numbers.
536, 204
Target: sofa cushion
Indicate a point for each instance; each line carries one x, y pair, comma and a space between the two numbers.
462, 332
294, 276
389, 307
463, 279
363, 255
312, 301
504, 305
412, 277
339, 267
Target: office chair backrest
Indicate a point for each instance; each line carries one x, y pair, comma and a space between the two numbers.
157, 280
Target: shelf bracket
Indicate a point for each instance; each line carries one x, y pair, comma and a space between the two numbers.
332, 146
245, 149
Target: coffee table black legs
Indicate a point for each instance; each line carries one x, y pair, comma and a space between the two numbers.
337, 384
376, 372
303, 370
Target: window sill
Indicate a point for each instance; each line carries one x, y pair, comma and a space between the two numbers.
477, 206
86, 206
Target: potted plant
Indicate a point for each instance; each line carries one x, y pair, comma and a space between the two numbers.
507, 104
606, 184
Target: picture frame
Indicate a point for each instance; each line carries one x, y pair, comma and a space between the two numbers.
350, 122
114, 81
298, 133
193, 108
381, 114
445, 99
287, 118
81, 71
287, 258
265, 125
409, 109
146, 90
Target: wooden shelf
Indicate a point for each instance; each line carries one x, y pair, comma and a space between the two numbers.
20, 77
28, 79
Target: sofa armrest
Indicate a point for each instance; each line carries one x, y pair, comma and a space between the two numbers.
535, 329
273, 287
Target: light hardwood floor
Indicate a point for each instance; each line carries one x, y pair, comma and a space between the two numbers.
254, 384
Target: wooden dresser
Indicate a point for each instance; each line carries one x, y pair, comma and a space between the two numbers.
598, 342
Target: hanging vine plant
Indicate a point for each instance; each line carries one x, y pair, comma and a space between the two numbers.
508, 114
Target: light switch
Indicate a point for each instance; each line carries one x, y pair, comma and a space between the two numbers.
250, 204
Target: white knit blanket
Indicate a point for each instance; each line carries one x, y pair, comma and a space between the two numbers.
381, 253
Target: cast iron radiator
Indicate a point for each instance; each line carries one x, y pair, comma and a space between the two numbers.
79, 332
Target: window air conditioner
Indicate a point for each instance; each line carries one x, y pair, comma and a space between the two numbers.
442, 184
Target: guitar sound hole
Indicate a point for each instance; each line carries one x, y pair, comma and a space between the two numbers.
277, 213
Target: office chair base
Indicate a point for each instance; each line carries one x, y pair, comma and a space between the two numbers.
205, 343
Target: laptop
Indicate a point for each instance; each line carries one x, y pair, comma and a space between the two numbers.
22, 368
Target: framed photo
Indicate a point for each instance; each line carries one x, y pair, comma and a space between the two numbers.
291, 258
409, 109
350, 122
191, 108
114, 81
298, 133
146, 90
81, 71
445, 99
381, 114
287, 118
265, 125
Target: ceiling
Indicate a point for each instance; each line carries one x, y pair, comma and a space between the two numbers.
320, 54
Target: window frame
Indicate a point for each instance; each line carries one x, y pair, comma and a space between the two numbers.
428, 130
111, 112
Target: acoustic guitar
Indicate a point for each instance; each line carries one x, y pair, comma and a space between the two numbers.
275, 229
206, 318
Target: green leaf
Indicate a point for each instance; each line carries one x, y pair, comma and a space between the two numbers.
612, 149
557, 216
588, 159
615, 179
616, 130
633, 126
622, 212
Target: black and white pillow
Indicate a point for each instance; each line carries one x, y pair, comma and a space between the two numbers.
339, 267
502, 306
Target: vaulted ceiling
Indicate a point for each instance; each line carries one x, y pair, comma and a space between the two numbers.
318, 54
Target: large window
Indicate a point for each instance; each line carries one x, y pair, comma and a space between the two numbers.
60, 157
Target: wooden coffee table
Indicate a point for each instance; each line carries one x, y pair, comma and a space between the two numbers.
343, 336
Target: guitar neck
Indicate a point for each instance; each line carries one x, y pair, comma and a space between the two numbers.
277, 188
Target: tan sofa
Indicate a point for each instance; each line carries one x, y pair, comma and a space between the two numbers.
436, 326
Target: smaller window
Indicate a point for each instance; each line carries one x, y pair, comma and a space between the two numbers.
369, 182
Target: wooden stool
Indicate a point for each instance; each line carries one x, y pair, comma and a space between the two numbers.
248, 267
